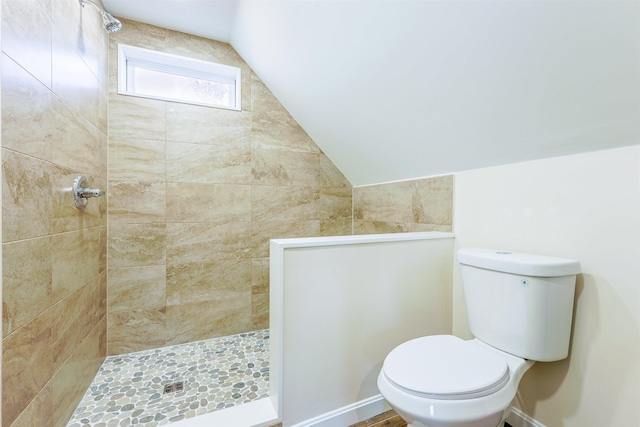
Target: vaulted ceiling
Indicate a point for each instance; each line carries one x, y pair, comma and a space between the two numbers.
400, 89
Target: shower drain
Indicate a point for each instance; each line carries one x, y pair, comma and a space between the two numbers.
172, 388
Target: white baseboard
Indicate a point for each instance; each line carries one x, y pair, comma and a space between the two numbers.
517, 418
257, 413
350, 414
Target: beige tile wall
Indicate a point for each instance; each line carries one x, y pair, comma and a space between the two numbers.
54, 127
418, 205
195, 194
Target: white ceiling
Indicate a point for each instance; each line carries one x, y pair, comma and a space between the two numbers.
395, 89
206, 18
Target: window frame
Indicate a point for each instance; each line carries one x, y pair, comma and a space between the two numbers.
130, 56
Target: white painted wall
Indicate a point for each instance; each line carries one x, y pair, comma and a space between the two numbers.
586, 207
346, 302
415, 88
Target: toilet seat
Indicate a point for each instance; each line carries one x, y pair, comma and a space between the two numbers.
445, 367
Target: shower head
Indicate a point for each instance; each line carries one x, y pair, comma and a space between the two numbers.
110, 23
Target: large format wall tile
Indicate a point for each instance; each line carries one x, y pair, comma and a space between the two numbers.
27, 113
72, 80
203, 242
336, 227
433, 200
136, 330
259, 311
103, 111
228, 163
260, 293
74, 377
260, 276
38, 412
26, 281
26, 36
102, 249
386, 202
29, 347
75, 260
136, 160
136, 288
204, 49
26, 197
272, 125
76, 316
205, 281
204, 125
137, 202
330, 175
134, 245
90, 35
285, 203
188, 202
227, 314
284, 167
76, 141
138, 118
335, 203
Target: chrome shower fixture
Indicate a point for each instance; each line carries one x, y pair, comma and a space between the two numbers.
81, 192
110, 23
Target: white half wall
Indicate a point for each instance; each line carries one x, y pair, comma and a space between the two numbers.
585, 207
345, 302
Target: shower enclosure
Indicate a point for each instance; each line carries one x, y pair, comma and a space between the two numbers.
177, 251
195, 193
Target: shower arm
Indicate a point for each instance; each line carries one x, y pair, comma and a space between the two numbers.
100, 6
110, 23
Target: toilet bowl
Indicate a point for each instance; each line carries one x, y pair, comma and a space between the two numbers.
519, 308
443, 381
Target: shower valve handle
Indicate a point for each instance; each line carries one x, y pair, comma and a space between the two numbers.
86, 193
81, 192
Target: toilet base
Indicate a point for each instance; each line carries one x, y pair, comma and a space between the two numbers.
417, 424
495, 420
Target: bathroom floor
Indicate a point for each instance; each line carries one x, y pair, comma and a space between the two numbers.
217, 373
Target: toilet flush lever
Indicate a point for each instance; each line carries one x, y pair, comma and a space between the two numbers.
81, 192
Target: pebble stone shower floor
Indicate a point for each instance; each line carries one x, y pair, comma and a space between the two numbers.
217, 373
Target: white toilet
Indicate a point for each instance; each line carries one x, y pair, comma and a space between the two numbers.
520, 308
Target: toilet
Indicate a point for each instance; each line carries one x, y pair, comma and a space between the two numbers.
520, 308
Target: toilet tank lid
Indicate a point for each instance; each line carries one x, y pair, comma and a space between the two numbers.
518, 263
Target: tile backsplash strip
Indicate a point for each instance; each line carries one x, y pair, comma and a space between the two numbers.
406, 206
54, 128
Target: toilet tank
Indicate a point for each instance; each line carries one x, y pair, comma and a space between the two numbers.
520, 303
